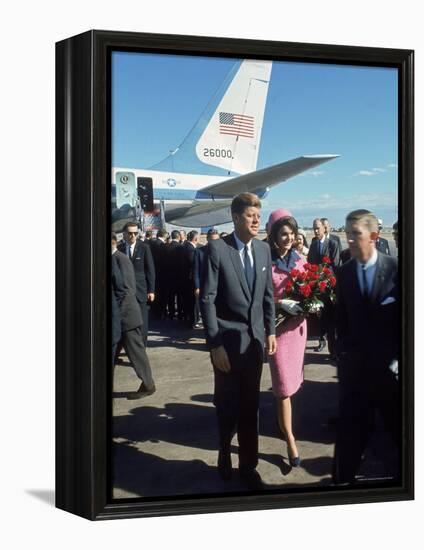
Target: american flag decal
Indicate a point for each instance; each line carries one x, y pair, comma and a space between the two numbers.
236, 125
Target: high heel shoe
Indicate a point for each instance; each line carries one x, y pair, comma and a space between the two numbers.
294, 462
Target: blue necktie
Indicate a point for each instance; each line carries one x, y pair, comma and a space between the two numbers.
248, 269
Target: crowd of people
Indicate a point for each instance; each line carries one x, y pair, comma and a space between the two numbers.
232, 286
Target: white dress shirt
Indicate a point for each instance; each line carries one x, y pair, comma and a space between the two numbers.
130, 247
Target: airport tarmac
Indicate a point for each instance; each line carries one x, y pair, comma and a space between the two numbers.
166, 444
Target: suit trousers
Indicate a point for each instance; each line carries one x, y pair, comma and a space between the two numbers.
328, 325
144, 309
134, 347
365, 386
236, 400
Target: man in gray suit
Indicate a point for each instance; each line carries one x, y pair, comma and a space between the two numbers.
238, 313
131, 325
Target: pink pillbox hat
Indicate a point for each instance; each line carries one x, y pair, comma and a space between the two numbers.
276, 215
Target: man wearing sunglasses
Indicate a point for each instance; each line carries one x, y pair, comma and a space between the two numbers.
144, 269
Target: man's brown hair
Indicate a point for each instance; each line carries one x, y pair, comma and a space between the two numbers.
243, 201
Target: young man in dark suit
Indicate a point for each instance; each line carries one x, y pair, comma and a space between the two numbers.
144, 269
237, 305
367, 343
131, 325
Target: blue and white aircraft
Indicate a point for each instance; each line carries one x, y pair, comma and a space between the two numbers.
195, 184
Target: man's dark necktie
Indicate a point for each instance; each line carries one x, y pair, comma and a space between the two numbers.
129, 251
248, 269
365, 290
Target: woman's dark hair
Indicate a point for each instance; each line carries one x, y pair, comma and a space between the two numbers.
305, 242
272, 239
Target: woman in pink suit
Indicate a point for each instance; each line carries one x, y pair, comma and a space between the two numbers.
287, 364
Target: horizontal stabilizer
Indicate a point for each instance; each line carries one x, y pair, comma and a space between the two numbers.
266, 177
197, 214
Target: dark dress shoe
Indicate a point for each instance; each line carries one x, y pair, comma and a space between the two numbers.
225, 469
251, 479
321, 345
143, 391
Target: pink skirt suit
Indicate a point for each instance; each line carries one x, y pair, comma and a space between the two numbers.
287, 364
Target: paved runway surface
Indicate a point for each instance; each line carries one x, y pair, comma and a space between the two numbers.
166, 444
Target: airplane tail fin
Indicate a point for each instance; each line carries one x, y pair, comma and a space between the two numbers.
226, 138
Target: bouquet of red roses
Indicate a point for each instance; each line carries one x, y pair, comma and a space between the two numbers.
308, 289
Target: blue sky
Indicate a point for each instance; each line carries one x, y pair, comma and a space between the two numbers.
311, 109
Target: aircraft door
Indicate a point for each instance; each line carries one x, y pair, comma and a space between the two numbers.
145, 193
126, 192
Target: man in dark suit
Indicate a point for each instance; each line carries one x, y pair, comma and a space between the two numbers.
158, 248
382, 244
191, 311
174, 251
321, 246
237, 306
141, 257
329, 235
367, 344
131, 325
118, 294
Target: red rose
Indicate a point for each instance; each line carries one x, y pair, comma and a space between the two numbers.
294, 273
332, 282
326, 270
326, 260
303, 276
306, 290
322, 286
289, 286
307, 266
314, 276
314, 268
313, 284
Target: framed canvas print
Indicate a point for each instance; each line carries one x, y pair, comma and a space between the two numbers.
234, 260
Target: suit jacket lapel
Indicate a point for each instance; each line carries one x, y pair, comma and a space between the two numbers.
235, 258
378, 285
354, 283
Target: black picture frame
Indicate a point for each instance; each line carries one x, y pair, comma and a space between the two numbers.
83, 153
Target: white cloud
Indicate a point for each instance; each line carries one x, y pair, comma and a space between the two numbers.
372, 172
365, 173
392, 166
317, 173
326, 201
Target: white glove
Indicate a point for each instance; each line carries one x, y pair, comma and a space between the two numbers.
394, 367
290, 306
